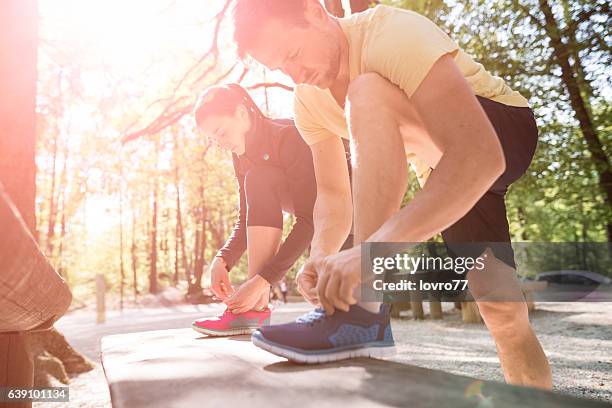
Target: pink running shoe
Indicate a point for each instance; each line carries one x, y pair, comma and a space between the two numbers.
230, 324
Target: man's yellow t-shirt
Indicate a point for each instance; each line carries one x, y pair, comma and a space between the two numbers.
401, 46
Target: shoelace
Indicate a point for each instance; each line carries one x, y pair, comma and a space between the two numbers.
312, 317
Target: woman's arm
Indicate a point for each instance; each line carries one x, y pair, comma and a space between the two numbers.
297, 162
236, 244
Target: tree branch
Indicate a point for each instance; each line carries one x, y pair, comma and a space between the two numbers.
270, 85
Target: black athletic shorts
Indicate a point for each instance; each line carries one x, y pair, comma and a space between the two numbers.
487, 222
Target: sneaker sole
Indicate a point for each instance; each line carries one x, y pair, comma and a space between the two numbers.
378, 352
217, 333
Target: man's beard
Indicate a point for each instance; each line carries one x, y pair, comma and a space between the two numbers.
327, 80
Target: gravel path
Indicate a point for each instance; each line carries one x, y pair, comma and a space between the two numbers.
577, 338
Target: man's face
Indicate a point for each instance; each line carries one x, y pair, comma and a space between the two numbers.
309, 54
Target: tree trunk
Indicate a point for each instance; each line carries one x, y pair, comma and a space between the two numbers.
60, 268
569, 76
52, 201
177, 240
195, 259
202, 250
55, 189
18, 47
62, 196
134, 256
523, 223
200, 244
121, 264
196, 282
153, 250
180, 253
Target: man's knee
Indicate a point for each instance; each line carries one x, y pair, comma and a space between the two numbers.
505, 320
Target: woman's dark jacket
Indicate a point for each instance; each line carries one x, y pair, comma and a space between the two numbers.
276, 142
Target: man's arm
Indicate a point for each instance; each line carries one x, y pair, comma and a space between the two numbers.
472, 157
333, 210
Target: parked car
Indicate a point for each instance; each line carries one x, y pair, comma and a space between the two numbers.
574, 285
573, 278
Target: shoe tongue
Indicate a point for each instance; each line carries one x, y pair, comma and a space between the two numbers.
313, 314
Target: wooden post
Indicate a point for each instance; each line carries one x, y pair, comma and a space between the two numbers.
528, 288
435, 309
416, 305
397, 307
100, 303
470, 312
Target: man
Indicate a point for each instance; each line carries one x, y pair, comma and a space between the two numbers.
402, 91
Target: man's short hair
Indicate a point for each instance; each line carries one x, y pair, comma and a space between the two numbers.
250, 15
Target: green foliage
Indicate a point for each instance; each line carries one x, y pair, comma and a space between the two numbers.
559, 199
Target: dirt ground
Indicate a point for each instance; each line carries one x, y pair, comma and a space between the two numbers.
577, 338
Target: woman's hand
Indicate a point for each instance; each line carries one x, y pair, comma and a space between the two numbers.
248, 295
219, 279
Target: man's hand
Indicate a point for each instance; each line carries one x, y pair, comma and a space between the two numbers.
247, 296
219, 279
339, 275
307, 281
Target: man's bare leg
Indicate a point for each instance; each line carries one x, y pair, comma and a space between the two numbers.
500, 300
377, 111
262, 243
380, 172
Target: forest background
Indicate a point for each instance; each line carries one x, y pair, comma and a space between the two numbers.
127, 188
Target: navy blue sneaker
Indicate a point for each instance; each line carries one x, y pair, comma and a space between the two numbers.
319, 338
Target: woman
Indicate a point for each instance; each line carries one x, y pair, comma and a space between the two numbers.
274, 170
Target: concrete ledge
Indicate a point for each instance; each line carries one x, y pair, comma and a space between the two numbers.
180, 368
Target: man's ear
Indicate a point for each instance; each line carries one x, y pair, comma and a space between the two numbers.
314, 11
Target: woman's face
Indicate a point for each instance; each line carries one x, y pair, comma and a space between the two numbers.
228, 131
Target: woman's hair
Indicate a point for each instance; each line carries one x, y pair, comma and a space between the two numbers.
223, 100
